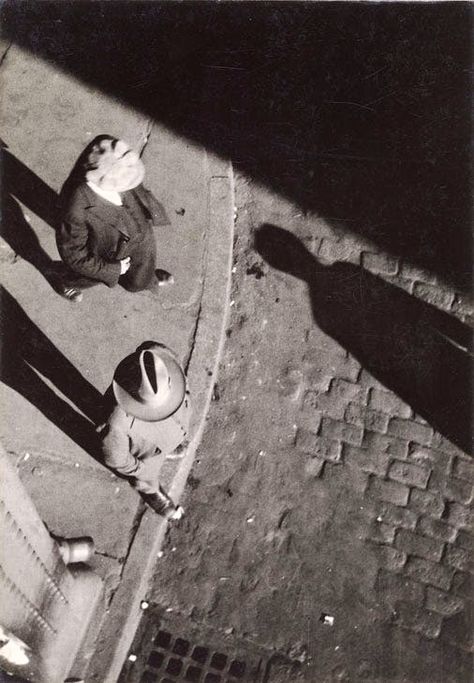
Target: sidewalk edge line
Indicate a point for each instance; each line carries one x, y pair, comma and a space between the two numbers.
150, 534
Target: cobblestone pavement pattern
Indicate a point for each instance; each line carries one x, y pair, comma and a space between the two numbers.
318, 493
325, 520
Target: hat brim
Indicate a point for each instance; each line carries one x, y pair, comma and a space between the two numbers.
152, 411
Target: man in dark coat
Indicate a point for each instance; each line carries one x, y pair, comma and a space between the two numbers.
105, 234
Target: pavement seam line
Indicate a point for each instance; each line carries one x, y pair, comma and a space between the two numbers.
146, 136
204, 260
5, 53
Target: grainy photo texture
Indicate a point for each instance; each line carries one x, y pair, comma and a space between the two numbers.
236, 318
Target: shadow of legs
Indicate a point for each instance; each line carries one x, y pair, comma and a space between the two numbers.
29, 189
20, 236
19, 183
18, 375
26, 347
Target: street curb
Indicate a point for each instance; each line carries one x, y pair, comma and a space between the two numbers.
122, 618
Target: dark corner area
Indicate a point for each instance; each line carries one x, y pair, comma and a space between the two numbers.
356, 112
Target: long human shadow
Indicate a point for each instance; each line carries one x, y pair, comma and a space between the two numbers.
415, 350
27, 351
19, 183
359, 112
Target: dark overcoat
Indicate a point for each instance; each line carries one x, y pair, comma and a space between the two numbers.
94, 235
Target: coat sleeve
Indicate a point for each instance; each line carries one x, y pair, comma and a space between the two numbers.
116, 451
72, 240
117, 456
157, 211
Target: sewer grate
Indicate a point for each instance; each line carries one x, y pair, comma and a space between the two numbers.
174, 658
172, 653
176, 650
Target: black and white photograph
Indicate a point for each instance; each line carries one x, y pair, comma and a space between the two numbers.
236, 314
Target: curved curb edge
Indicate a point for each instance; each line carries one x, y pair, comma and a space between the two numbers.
122, 618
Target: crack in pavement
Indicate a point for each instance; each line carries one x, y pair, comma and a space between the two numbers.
109, 557
3, 57
146, 136
192, 337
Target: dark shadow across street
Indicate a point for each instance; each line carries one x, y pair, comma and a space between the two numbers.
359, 112
420, 353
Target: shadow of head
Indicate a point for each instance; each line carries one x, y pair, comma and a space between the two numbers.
284, 251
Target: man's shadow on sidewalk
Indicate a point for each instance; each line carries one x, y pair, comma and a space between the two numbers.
27, 351
20, 184
415, 350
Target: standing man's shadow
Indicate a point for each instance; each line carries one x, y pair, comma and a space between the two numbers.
26, 351
18, 183
417, 351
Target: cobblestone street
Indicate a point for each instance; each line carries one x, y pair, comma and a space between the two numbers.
315, 162
326, 522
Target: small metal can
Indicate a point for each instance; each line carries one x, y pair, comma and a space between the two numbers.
74, 550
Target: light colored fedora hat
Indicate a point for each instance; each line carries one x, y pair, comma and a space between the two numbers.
112, 165
150, 384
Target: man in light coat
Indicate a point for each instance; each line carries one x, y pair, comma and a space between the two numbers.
147, 419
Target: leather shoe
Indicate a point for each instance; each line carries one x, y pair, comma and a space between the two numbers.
162, 504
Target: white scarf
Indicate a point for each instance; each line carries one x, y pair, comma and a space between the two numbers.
109, 195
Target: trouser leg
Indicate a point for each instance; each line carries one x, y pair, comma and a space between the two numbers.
68, 278
145, 486
147, 477
148, 486
160, 502
155, 496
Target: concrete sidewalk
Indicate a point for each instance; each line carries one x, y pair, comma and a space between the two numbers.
43, 419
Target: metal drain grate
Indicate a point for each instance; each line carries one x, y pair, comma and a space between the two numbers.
159, 655
177, 659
